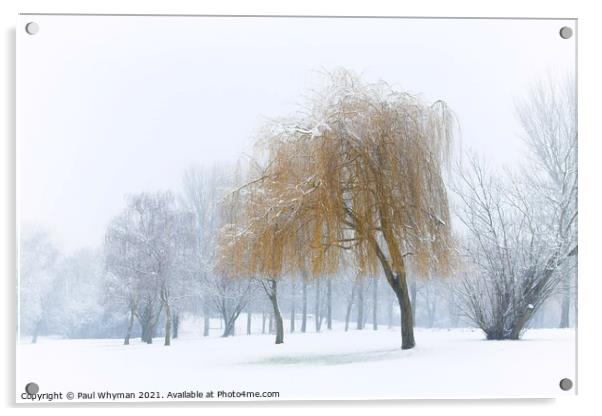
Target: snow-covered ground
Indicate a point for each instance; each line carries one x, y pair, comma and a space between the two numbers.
333, 364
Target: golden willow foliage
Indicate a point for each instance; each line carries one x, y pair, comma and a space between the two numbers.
359, 176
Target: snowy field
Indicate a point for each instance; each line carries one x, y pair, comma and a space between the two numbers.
330, 365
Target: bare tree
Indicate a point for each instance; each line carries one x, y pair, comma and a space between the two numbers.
513, 257
38, 257
548, 116
145, 246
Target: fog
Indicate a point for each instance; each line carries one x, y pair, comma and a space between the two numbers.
110, 106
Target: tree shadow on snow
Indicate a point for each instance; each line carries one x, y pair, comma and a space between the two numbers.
332, 359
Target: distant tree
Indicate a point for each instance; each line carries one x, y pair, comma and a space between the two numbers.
359, 172
145, 248
38, 258
77, 295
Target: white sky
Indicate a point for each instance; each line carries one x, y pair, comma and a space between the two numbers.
109, 106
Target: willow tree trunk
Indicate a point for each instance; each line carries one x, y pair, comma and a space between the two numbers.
399, 283
407, 316
273, 295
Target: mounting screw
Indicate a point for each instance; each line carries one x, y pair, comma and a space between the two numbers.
32, 388
32, 28
566, 32
566, 384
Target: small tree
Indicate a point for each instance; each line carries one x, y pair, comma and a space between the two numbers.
361, 172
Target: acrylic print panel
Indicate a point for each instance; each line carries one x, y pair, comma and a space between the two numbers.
277, 208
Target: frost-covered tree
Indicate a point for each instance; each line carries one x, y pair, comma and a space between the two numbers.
522, 230
548, 116
146, 246
360, 171
38, 258
77, 295
513, 253
203, 193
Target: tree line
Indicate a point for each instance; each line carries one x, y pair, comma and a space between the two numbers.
354, 194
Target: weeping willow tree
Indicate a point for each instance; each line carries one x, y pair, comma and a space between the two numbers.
358, 175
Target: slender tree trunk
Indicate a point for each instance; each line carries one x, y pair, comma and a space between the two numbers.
206, 323
128, 334
360, 304
348, 315
304, 307
206, 319
271, 323
329, 304
263, 322
432, 309
293, 307
375, 303
350, 305
167, 323
176, 325
36, 330
249, 317
318, 317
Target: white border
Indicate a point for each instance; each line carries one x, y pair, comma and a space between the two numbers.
590, 35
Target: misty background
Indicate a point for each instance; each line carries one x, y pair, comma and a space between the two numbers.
112, 106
